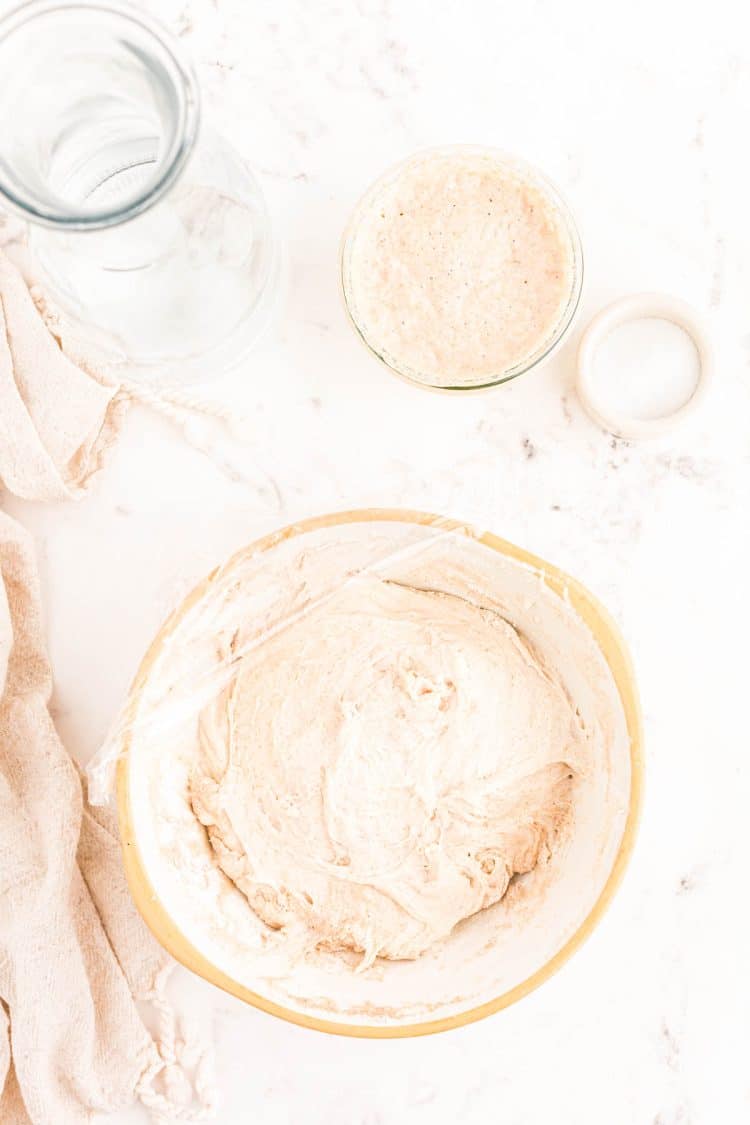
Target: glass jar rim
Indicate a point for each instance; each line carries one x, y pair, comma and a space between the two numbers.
181, 143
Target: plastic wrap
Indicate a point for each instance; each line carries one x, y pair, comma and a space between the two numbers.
239, 607
202, 916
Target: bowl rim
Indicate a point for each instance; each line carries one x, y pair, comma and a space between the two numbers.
612, 646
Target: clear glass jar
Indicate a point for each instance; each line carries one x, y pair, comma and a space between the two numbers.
148, 231
382, 221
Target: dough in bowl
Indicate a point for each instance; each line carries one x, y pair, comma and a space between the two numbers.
384, 765
377, 770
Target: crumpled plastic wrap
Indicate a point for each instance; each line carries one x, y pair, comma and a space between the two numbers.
207, 647
181, 673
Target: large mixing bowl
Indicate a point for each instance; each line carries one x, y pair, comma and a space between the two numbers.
487, 963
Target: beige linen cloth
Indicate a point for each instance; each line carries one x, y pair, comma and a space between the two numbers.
74, 955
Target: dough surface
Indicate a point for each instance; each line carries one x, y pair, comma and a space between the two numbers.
383, 766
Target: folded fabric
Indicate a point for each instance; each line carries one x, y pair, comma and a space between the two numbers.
74, 954
56, 421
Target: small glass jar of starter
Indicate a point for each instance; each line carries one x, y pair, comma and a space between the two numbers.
461, 268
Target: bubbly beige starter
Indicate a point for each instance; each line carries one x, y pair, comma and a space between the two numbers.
459, 266
384, 766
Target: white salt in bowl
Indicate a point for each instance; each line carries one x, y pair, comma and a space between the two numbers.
490, 960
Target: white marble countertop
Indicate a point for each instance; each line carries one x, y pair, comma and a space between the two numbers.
640, 114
